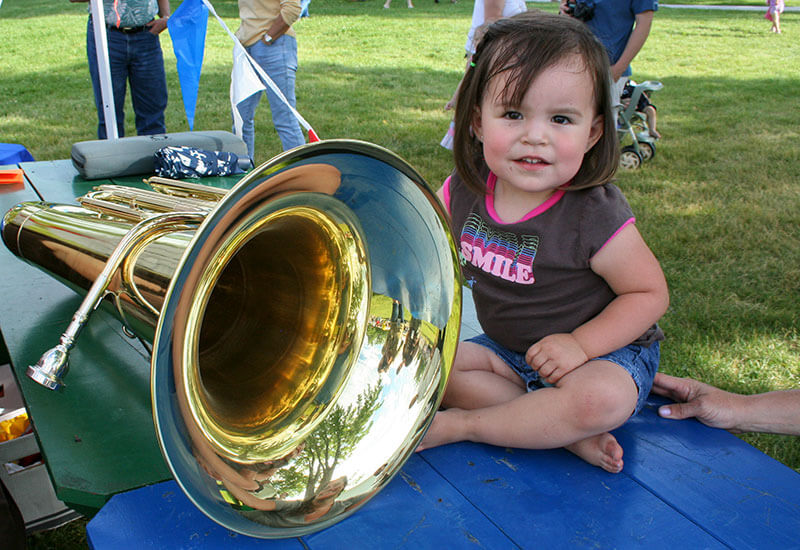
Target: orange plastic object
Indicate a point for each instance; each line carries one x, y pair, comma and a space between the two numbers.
14, 175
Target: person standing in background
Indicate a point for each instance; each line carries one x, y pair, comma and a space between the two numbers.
266, 33
483, 13
621, 25
774, 10
135, 58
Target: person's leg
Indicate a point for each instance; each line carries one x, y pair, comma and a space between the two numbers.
117, 60
650, 114
247, 112
590, 400
486, 393
577, 413
148, 83
480, 378
279, 61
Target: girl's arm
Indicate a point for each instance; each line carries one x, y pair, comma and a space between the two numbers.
635, 276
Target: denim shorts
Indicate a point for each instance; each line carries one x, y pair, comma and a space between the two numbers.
640, 362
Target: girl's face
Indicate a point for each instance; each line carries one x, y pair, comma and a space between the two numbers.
539, 145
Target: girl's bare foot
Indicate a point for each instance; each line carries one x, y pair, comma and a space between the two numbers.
600, 450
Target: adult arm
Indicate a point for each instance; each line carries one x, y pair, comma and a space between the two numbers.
289, 13
641, 30
157, 26
772, 412
492, 10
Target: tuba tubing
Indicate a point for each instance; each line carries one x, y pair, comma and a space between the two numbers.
303, 324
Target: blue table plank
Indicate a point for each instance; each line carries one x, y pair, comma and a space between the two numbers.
160, 516
417, 509
555, 499
735, 492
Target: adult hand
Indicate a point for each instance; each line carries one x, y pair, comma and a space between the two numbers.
555, 355
617, 69
711, 406
157, 26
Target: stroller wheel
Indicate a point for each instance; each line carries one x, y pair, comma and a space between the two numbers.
629, 158
647, 150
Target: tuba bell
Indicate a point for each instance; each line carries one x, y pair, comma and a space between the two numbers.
302, 324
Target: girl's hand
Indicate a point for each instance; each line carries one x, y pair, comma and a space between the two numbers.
555, 355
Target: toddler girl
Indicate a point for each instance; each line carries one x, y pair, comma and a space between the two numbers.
565, 288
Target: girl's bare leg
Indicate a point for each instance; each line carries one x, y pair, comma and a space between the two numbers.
576, 413
480, 379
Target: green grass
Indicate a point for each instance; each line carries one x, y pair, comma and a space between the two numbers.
719, 205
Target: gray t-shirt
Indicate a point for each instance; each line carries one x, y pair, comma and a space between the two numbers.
532, 278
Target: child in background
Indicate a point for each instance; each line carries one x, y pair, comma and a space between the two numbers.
483, 13
774, 10
565, 288
644, 106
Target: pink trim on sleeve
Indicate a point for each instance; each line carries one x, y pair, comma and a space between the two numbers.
628, 222
446, 193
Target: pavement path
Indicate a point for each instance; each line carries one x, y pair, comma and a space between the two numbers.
731, 8
701, 7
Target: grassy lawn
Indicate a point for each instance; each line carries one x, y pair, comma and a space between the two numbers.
719, 204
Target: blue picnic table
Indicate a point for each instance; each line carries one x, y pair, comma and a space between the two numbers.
683, 484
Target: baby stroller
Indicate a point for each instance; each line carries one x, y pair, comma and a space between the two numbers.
637, 141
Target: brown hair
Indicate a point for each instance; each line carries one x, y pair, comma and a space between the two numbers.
523, 46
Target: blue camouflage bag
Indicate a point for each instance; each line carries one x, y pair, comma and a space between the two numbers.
191, 162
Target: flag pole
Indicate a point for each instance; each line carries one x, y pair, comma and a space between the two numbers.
103, 70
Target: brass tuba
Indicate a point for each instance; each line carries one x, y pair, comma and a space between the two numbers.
303, 323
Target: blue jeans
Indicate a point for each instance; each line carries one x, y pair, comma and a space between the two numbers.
279, 61
639, 361
134, 58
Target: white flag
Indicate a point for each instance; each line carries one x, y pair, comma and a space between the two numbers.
248, 78
244, 83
